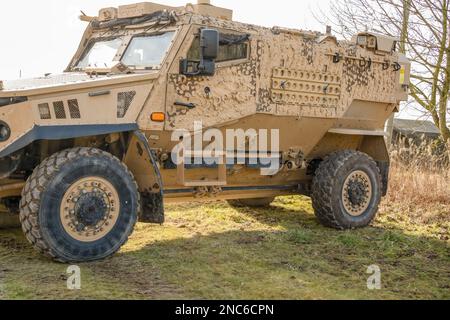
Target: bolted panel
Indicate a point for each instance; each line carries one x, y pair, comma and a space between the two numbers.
319, 90
124, 100
44, 111
60, 112
74, 109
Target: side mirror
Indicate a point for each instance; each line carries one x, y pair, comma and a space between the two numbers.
209, 44
209, 51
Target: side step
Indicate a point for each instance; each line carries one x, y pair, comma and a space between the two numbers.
222, 173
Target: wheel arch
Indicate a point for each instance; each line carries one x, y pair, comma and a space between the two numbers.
64, 132
143, 162
370, 142
376, 147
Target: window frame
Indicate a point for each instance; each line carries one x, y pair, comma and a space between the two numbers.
91, 43
127, 38
226, 63
141, 35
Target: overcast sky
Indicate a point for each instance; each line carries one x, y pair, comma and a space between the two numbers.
39, 37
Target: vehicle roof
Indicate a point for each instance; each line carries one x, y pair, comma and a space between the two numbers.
201, 13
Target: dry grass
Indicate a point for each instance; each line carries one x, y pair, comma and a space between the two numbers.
419, 183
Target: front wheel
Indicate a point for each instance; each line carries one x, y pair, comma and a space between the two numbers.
79, 205
347, 190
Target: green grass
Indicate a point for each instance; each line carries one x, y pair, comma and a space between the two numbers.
214, 251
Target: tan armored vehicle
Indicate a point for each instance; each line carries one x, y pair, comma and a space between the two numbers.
86, 154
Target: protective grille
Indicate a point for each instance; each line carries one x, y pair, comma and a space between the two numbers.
44, 111
60, 113
74, 109
124, 100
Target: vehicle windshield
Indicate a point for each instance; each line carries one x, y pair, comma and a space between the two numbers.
147, 51
100, 54
143, 51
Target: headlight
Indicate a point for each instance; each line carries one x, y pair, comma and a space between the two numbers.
12, 100
361, 41
5, 131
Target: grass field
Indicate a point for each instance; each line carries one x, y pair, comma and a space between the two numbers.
214, 251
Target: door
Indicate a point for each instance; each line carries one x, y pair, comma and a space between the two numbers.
215, 100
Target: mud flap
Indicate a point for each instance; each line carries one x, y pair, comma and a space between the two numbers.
152, 208
384, 167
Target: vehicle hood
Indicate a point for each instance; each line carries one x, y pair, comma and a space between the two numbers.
64, 81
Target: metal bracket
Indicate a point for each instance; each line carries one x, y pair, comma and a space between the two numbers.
337, 57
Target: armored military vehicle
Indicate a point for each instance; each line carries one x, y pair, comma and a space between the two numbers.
86, 154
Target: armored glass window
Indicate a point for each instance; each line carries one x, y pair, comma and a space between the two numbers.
100, 53
147, 51
232, 47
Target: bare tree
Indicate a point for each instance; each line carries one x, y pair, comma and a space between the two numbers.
423, 27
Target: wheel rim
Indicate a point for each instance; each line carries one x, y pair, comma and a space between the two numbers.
357, 193
90, 209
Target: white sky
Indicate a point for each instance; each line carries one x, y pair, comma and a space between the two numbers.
39, 37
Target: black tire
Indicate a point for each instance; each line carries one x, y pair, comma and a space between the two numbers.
330, 199
41, 204
252, 203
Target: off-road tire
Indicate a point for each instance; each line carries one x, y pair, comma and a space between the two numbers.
252, 203
328, 184
40, 217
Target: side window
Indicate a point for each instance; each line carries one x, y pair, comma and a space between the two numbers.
232, 47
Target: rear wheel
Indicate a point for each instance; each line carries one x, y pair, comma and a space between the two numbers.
79, 205
347, 190
253, 203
